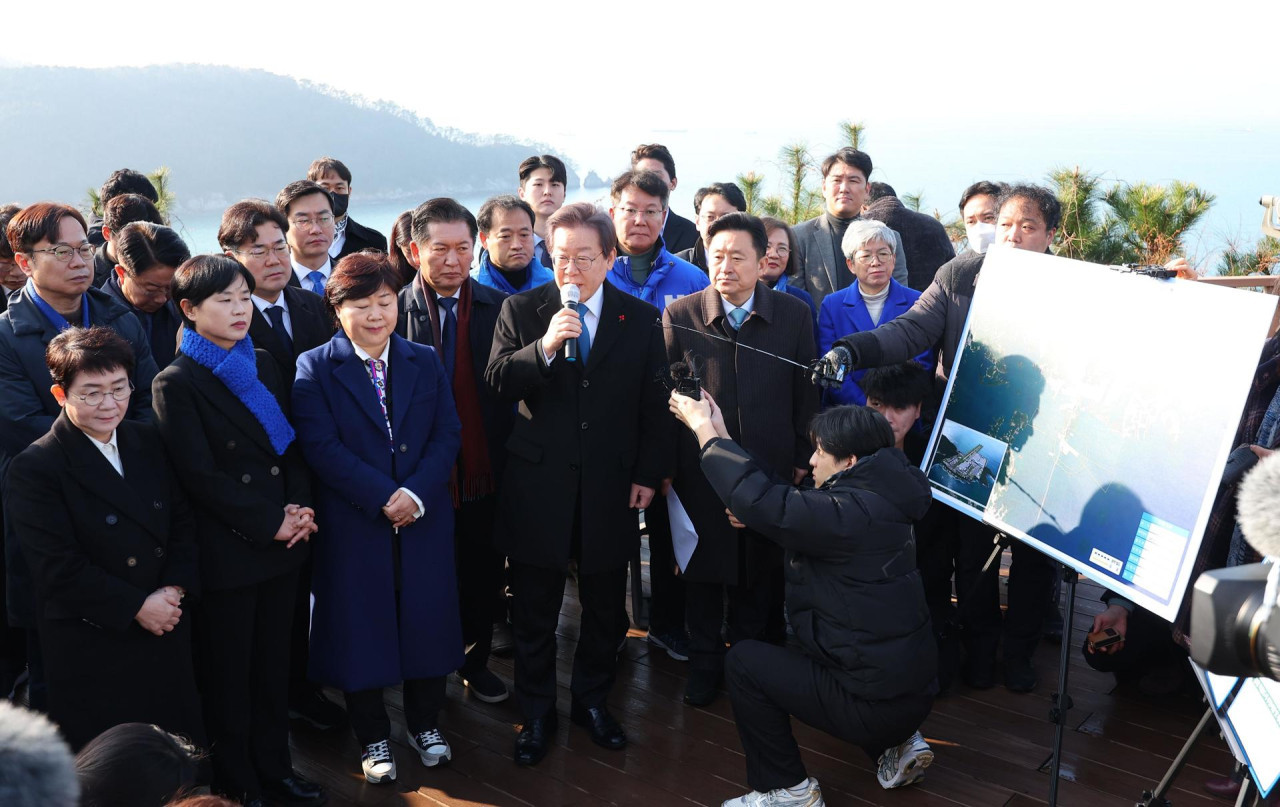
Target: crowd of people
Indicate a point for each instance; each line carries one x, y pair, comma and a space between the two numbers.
326, 462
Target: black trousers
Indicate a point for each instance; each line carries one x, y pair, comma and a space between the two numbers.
480, 579
536, 611
667, 603
768, 685
949, 544
242, 654
423, 700
750, 603
300, 635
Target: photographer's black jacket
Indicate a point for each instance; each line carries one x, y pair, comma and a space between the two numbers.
854, 596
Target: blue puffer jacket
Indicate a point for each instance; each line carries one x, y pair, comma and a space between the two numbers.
486, 275
670, 278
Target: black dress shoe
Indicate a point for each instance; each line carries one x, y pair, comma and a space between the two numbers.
605, 731
534, 739
311, 706
294, 791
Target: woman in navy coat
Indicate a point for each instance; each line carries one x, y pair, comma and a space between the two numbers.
375, 416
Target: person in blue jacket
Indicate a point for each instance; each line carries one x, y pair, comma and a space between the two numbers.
874, 298
644, 268
508, 261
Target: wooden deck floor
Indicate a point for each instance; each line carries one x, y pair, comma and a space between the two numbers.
991, 745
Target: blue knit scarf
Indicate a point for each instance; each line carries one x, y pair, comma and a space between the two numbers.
237, 368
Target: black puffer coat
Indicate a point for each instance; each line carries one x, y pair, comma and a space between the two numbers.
854, 596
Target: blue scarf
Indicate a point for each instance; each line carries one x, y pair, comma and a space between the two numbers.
58, 321
781, 283
488, 275
237, 368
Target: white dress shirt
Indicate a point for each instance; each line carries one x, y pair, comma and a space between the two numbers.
747, 306
591, 319
385, 358
301, 272
110, 450
262, 305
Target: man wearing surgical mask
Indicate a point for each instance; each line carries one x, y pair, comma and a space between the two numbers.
348, 235
978, 212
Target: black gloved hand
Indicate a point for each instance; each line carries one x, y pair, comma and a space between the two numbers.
829, 371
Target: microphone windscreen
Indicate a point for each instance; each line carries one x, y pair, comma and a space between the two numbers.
1259, 506
570, 293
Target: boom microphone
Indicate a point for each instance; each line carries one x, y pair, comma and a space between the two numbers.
570, 295
1259, 507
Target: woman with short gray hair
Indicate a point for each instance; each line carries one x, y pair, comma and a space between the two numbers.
871, 251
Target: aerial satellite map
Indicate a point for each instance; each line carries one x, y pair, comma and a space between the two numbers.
1091, 411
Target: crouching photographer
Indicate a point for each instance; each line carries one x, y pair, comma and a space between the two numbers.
867, 662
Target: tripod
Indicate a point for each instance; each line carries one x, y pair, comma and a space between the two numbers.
1061, 700
1155, 798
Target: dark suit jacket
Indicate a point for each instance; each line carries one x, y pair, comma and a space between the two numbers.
696, 255
679, 233
165, 323
486, 303
360, 237
311, 328
924, 239
28, 408
97, 544
582, 436
237, 483
820, 269
767, 406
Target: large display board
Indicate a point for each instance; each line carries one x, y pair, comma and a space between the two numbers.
1248, 710
1090, 413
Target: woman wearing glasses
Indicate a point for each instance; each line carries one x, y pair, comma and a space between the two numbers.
218, 407
110, 545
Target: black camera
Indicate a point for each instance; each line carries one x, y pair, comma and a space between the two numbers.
1233, 631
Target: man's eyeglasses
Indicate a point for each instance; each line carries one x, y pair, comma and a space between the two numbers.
323, 220
281, 250
96, 397
582, 262
62, 253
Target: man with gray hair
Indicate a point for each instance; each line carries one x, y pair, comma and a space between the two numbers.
36, 766
819, 268
871, 253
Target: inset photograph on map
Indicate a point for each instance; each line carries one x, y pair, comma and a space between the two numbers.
966, 463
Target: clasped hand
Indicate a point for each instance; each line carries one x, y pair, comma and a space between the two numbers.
400, 509
298, 524
160, 612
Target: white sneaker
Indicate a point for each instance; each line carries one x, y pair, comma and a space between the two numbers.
904, 764
378, 764
431, 746
812, 797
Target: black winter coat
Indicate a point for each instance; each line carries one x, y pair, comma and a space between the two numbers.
854, 595
415, 325
97, 545
582, 435
924, 239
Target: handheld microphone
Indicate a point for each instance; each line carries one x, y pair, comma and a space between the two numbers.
570, 295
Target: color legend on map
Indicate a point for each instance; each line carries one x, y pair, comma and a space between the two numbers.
1156, 554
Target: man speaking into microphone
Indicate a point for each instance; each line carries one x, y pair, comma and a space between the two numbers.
591, 444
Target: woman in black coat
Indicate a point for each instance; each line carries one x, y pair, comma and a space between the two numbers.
218, 407
867, 660
110, 545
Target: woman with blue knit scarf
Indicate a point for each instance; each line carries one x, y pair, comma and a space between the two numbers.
219, 410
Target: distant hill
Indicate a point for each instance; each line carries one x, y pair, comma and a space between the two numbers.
227, 133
